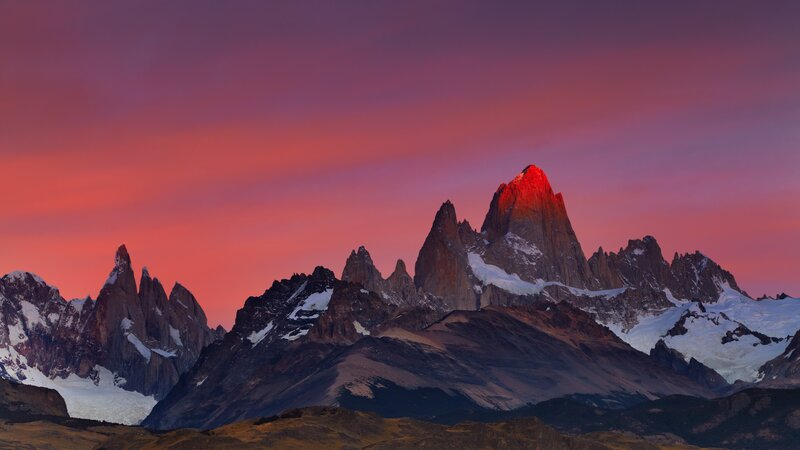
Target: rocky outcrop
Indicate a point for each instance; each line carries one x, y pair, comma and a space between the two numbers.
696, 276
783, 370
19, 401
397, 290
529, 233
360, 269
442, 269
693, 369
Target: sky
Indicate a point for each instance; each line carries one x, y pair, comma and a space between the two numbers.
228, 144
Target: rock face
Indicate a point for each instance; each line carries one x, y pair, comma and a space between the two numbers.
398, 289
442, 269
128, 339
693, 369
695, 276
143, 336
529, 233
783, 370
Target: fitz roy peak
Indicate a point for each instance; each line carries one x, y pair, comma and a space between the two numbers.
111, 359
527, 230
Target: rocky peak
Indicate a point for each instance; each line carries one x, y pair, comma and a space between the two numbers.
696, 276
442, 268
529, 232
360, 269
604, 270
121, 276
522, 206
183, 299
641, 264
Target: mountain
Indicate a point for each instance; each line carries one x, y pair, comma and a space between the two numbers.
694, 369
316, 340
783, 370
110, 359
527, 251
527, 231
496, 318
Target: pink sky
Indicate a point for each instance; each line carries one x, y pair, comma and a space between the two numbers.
229, 144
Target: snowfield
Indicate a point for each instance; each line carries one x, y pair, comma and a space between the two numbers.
85, 398
738, 359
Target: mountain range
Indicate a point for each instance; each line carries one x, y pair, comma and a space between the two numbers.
493, 319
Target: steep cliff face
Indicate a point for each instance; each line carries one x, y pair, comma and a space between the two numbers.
398, 289
529, 233
442, 268
784, 370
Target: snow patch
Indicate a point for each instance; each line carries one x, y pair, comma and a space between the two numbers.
510, 282
638, 251
126, 324
258, 336
360, 328
31, 314
318, 301
143, 350
164, 353
78, 303
521, 245
297, 292
16, 334
20, 275
294, 335
176, 336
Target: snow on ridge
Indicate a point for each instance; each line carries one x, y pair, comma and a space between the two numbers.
164, 353
297, 292
318, 301
143, 350
511, 282
258, 336
175, 334
78, 303
19, 275
638, 251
